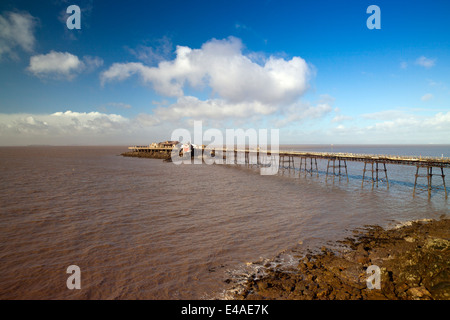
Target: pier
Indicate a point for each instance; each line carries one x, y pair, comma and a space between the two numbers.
375, 169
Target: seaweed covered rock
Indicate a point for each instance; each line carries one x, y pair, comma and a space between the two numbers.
414, 261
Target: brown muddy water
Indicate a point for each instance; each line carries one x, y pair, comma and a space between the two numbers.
147, 229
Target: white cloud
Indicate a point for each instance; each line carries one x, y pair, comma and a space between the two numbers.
62, 128
338, 116
238, 86
156, 52
221, 66
16, 30
427, 97
87, 123
121, 71
83, 128
94, 128
192, 107
301, 111
341, 118
92, 63
440, 121
384, 115
435, 127
393, 126
68, 121
55, 63
425, 62
61, 65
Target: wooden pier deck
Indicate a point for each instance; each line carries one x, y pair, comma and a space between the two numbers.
373, 163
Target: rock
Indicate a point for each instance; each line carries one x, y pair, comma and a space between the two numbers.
414, 263
438, 244
401, 288
441, 291
322, 293
419, 292
362, 259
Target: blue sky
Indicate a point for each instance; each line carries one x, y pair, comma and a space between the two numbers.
137, 70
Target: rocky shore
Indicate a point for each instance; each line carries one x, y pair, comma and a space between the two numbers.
414, 261
151, 155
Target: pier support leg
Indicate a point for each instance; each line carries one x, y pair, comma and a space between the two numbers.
289, 160
317, 169
376, 164
429, 176
443, 182
364, 174
345, 166
415, 181
372, 176
374, 173
339, 166
385, 174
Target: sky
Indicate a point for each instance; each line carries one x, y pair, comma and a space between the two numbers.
136, 71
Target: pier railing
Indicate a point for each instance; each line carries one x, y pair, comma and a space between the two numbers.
362, 157
373, 163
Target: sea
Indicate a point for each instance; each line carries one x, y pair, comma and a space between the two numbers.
141, 228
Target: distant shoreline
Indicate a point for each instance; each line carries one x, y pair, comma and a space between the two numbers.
312, 145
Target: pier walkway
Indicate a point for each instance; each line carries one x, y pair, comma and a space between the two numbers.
337, 162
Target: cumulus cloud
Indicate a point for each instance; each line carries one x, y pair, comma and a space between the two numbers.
94, 122
425, 62
238, 86
91, 128
61, 122
61, 65
16, 31
427, 97
384, 115
82, 128
192, 107
62, 128
301, 111
221, 66
152, 54
416, 125
55, 63
403, 126
92, 63
341, 118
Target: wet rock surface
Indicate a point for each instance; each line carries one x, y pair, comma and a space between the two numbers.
414, 261
152, 155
